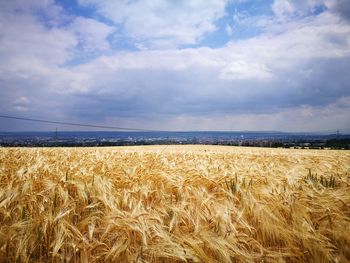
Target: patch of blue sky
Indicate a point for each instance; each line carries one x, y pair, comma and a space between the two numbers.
251, 7
118, 43
118, 40
239, 23
215, 39
318, 10
48, 21
73, 8
81, 58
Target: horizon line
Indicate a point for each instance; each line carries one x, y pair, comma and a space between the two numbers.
184, 131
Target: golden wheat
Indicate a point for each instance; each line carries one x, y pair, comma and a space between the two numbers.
179, 204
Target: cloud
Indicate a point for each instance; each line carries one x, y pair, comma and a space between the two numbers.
162, 23
306, 66
283, 8
341, 7
294, 119
29, 44
240, 69
21, 104
292, 76
32, 53
92, 34
287, 8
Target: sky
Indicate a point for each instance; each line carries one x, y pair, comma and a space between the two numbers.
229, 65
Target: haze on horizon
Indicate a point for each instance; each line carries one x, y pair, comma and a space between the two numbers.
176, 65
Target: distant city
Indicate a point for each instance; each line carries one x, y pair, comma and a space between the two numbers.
107, 138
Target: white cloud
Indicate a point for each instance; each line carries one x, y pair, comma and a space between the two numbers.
21, 100
240, 69
285, 8
162, 23
92, 34
27, 45
21, 104
282, 8
32, 53
321, 37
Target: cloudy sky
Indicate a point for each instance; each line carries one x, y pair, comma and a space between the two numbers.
176, 64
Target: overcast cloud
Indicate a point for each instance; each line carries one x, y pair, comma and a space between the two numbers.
177, 65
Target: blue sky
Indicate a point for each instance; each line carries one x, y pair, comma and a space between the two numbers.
177, 65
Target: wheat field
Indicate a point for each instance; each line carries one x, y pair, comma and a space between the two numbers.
174, 204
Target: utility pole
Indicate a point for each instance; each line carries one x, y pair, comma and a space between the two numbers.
338, 134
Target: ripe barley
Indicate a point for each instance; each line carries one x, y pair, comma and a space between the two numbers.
181, 204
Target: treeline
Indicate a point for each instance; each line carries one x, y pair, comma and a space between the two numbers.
338, 144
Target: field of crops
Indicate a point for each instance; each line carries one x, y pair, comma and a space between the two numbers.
174, 204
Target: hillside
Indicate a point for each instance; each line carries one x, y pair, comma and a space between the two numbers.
174, 204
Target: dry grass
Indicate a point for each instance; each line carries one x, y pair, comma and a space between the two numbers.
182, 204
